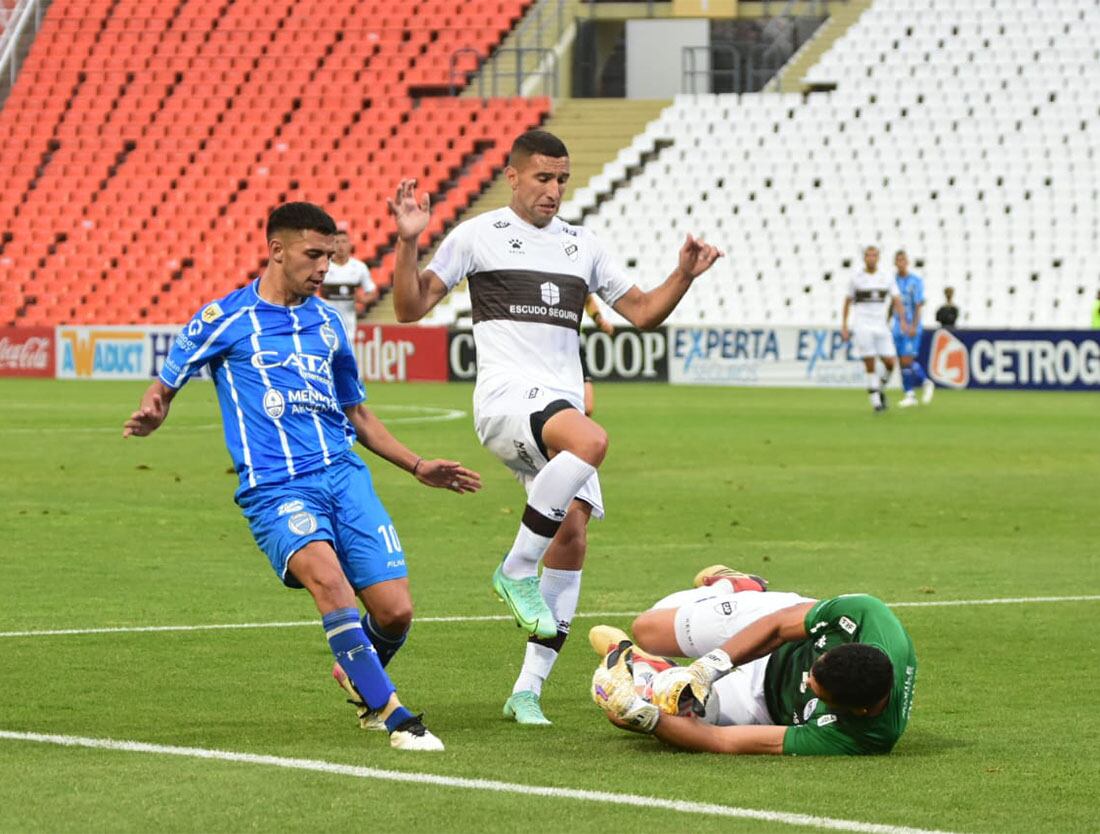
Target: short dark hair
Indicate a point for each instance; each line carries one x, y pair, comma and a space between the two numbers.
900, 254
855, 675
536, 142
300, 217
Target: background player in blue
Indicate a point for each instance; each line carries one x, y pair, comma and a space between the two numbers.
292, 408
907, 334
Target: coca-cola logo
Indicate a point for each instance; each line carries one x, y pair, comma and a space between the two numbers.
31, 354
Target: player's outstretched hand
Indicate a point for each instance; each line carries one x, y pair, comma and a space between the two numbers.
411, 217
146, 419
697, 257
448, 474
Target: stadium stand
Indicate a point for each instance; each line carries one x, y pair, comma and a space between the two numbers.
148, 141
966, 132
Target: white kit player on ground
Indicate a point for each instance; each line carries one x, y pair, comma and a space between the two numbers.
870, 293
529, 275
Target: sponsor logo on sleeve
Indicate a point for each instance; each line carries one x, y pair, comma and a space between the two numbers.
211, 313
847, 624
826, 720
294, 506
194, 328
808, 710
302, 523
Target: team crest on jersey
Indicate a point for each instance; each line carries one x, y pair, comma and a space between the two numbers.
302, 524
515, 246
211, 313
550, 293
294, 506
571, 251
501, 224
329, 337
274, 404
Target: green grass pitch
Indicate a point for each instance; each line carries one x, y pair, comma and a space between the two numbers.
980, 496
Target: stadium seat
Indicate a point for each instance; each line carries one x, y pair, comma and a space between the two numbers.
157, 133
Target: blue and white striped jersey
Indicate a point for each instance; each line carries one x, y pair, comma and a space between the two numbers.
283, 377
911, 288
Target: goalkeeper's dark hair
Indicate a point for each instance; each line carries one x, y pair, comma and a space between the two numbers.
300, 217
536, 142
855, 675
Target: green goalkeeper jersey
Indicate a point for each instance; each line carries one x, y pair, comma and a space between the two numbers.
815, 730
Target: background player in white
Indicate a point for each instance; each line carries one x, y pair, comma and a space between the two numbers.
348, 286
869, 293
529, 274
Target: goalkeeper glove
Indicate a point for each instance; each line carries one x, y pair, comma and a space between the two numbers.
705, 671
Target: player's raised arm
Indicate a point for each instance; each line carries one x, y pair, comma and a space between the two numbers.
151, 413
439, 473
414, 292
648, 309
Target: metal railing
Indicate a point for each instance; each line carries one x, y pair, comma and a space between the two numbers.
27, 13
690, 69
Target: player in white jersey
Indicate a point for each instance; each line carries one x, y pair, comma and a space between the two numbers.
870, 294
529, 274
347, 285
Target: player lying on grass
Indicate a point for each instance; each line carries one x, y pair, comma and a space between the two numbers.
292, 407
777, 672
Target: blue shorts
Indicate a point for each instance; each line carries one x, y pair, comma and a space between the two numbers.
336, 504
907, 345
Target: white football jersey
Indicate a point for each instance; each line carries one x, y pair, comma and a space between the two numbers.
527, 292
871, 295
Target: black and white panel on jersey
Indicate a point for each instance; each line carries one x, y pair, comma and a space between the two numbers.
529, 296
870, 295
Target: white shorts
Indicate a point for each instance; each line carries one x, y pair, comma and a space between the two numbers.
705, 619
510, 438
873, 341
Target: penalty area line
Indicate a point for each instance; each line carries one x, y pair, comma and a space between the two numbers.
461, 783
490, 618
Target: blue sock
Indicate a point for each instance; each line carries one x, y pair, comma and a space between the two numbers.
385, 644
355, 654
907, 379
918, 372
398, 717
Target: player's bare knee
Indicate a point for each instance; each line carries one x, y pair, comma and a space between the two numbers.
395, 618
593, 448
644, 629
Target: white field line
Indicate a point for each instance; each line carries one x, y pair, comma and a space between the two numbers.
490, 785
487, 618
424, 414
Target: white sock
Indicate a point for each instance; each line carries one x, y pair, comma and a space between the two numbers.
547, 502
873, 386
561, 589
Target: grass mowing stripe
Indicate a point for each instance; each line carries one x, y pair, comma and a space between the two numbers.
487, 618
605, 797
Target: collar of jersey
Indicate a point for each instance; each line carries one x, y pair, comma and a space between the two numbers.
262, 300
530, 226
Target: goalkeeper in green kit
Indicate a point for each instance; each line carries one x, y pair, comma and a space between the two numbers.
776, 673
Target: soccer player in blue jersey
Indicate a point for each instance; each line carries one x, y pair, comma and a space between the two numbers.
292, 408
907, 334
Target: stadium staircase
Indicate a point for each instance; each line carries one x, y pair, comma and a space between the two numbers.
841, 18
596, 132
145, 144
